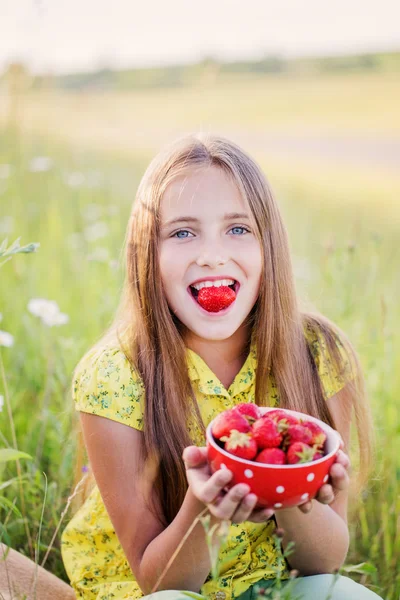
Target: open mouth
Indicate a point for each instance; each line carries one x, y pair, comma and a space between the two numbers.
234, 286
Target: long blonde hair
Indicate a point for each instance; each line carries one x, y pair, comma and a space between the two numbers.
149, 334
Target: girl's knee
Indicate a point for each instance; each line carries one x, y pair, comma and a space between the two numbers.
319, 587
347, 589
169, 595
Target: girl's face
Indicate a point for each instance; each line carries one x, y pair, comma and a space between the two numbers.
207, 231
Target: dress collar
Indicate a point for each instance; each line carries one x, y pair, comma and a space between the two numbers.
210, 384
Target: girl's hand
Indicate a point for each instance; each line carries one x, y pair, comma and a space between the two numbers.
236, 505
339, 480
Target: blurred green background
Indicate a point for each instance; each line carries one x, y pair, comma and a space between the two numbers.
72, 151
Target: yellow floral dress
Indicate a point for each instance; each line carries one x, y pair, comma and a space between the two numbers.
93, 557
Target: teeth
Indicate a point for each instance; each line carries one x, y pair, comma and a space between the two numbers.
217, 283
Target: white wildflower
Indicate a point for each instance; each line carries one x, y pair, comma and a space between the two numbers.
100, 255
75, 179
92, 212
55, 320
96, 231
1, 403
48, 311
6, 339
5, 171
39, 164
6, 225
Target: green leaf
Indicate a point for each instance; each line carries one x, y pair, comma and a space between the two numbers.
22, 479
29, 248
7, 504
7, 454
4, 535
363, 568
14, 246
3, 245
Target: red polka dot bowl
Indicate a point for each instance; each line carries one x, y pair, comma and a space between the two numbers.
277, 486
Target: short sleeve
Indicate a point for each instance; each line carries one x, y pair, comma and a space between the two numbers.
106, 385
333, 378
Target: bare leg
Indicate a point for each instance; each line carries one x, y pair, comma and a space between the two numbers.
17, 574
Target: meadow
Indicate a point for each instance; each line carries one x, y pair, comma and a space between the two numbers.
69, 186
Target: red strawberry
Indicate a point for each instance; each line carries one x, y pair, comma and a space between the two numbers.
298, 433
300, 453
248, 410
266, 433
227, 421
318, 455
215, 298
240, 444
272, 456
318, 434
281, 417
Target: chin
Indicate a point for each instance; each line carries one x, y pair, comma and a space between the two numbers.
213, 333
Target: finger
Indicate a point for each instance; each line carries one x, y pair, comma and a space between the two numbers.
325, 494
261, 515
339, 477
343, 459
193, 456
227, 506
205, 487
305, 507
245, 509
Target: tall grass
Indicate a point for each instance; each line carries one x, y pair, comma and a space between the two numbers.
77, 206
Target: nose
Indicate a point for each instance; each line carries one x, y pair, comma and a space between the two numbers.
211, 261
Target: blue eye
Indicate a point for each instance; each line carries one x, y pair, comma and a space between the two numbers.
181, 237
240, 227
238, 230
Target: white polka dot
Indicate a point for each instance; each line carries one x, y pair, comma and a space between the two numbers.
280, 489
310, 477
222, 466
249, 473
326, 478
304, 497
278, 505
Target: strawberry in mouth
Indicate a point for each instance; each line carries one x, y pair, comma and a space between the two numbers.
216, 297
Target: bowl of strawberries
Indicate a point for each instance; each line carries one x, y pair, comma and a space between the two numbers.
283, 455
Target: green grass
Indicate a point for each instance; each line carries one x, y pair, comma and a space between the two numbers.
344, 238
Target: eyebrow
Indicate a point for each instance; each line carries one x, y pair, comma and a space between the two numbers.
227, 217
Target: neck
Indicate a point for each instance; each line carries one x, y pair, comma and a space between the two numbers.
221, 354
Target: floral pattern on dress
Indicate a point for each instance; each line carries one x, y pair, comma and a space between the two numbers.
107, 385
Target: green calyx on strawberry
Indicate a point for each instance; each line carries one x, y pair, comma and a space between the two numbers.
227, 421
240, 444
298, 433
301, 453
214, 299
282, 419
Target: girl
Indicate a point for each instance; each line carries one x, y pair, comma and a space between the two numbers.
205, 216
